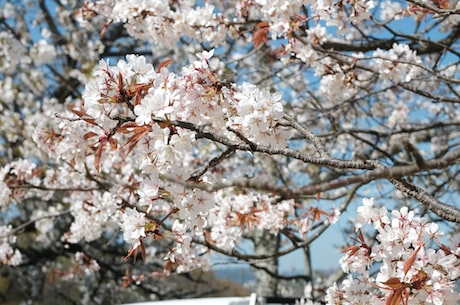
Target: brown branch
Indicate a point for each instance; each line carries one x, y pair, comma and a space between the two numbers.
308, 135
412, 129
287, 152
57, 36
279, 276
434, 9
52, 189
383, 172
251, 257
430, 95
32, 221
413, 151
445, 211
366, 177
421, 46
215, 161
361, 47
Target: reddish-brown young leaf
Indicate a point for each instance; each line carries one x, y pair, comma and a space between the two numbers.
97, 157
260, 34
120, 82
395, 297
128, 127
419, 279
361, 237
420, 17
138, 91
410, 261
398, 289
393, 282
89, 135
355, 248
317, 213
113, 143
351, 249
143, 253
170, 266
445, 249
248, 219
139, 133
132, 251
164, 64
126, 280
443, 4
82, 115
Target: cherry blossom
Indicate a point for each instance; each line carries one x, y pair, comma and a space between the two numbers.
178, 129
133, 225
407, 255
8, 255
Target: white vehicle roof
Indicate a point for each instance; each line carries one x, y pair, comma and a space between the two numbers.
204, 301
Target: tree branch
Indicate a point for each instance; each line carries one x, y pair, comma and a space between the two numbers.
445, 211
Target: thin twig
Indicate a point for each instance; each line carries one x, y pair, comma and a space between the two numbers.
28, 223
309, 135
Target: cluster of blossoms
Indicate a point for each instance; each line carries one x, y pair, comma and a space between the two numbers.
399, 64
16, 175
132, 111
8, 255
12, 52
235, 214
279, 13
92, 214
186, 255
341, 13
87, 264
81, 265
414, 265
165, 24
161, 21
339, 80
195, 97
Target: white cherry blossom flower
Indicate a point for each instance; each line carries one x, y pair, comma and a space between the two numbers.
133, 225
